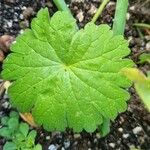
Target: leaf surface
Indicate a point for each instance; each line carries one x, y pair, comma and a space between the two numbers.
68, 77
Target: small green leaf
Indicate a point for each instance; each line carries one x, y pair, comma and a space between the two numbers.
13, 124
19, 137
14, 114
141, 83
4, 120
9, 146
5, 132
37, 147
32, 134
24, 129
144, 58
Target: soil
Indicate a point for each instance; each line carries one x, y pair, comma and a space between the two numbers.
131, 129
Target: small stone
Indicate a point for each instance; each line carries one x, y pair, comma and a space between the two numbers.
24, 24
80, 16
52, 147
78, 1
98, 135
128, 16
95, 140
62, 148
2, 56
76, 136
148, 46
49, 4
147, 37
137, 129
112, 145
5, 104
120, 129
21, 16
9, 24
21, 31
24, 7
5, 42
92, 10
67, 144
10, 1
125, 136
55, 133
28, 12
48, 137
132, 8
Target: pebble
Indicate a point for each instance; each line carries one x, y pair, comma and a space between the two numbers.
48, 137
67, 144
28, 12
95, 140
137, 129
21, 16
2, 56
92, 10
112, 145
5, 104
80, 16
76, 136
148, 46
147, 37
98, 135
132, 8
9, 24
78, 1
128, 16
125, 136
52, 147
120, 129
21, 31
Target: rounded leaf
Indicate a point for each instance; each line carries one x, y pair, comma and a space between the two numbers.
68, 77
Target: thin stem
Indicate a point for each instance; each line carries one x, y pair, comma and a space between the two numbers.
100, 9
120, 17
61, 5
142, 25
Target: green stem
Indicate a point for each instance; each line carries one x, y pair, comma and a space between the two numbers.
100, 9
120, 17
61, 5
142, 25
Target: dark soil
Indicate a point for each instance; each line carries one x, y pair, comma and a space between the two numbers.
131, 129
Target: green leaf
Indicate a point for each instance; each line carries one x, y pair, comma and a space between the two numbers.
68, 77
9, 146
4, 120
19, 137
24, 129
13, 124
37, 147
32, 134
5, 132
144, 58
14, 114
141, 83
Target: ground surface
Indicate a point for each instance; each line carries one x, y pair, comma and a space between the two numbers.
132, 128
